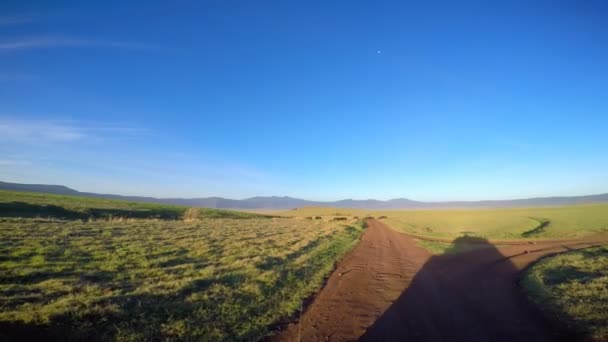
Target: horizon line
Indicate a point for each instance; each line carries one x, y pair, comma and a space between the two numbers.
312, 200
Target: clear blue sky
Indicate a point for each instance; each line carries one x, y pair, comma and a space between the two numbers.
314, 99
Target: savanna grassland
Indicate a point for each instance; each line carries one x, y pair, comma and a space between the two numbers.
443, 226
39, 205
98, 269
573, 287
95, 269
528, 223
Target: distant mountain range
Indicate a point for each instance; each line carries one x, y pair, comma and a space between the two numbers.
279, 203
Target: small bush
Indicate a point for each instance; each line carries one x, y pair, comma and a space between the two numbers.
191, 214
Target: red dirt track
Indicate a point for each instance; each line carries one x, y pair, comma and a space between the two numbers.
390, 289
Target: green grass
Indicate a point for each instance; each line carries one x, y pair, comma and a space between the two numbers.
208, 275
573, 287
465, 244
88, 268
323, 211
540, 223
531, 223
37, 205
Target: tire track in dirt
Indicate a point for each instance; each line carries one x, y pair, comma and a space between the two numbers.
390, 289
365, 283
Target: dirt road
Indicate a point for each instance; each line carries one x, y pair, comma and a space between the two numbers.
390, 289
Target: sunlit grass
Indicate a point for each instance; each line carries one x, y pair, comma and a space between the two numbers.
210, 279
439, 248
533, 223
38, 205
574, 288
555, 222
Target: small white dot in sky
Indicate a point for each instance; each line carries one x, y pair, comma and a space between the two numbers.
378, 51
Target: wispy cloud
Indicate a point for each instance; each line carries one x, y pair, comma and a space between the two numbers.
49, 131
47, 42
115, 157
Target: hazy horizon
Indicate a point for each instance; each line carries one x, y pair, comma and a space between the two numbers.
325, 200
346, 100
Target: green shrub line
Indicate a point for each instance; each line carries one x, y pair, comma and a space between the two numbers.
49, 206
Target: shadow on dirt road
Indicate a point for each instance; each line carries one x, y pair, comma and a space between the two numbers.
469, 296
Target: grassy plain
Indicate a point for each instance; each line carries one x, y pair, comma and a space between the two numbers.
574, 288
324, 211
38, 205
539, 223
219, 275
88, 268
439, 248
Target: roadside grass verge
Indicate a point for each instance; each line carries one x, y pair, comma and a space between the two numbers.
212, 279
76, 268
573, 288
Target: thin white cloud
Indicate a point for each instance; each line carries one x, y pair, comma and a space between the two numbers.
48, 42
49, 131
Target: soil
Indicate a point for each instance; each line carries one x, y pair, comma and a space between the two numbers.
390, 289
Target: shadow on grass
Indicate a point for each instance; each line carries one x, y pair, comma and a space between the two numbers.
565, 274
151, 317
22, 209
540, 228
270, 262
141, 314
28, 210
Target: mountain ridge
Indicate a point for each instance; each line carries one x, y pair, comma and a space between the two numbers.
286, 202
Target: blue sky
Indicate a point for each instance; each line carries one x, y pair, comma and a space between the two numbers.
312, 99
